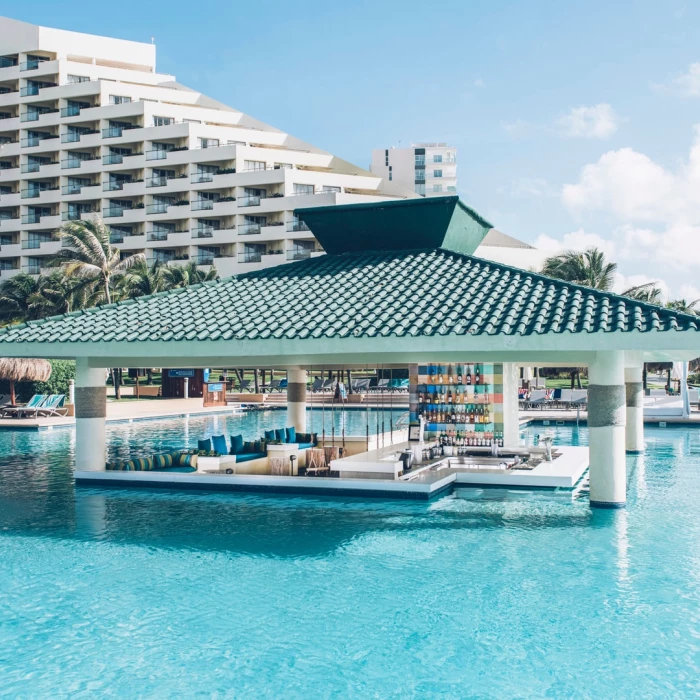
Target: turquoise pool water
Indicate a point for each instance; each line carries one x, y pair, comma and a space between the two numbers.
488, 594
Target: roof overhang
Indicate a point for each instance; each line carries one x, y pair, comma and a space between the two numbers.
411, 224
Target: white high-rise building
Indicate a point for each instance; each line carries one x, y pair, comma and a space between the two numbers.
87, 126
430, 169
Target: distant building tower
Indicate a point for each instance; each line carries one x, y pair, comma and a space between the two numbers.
428, 168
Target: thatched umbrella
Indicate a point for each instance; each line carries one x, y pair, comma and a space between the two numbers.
21, 369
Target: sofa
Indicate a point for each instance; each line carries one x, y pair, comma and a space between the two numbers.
163, 462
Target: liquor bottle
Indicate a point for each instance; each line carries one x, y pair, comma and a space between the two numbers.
454, 417
477, 380
450, 377
469, 376
439, 374
449, 396
459, 374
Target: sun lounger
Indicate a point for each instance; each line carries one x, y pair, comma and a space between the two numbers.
538, 398
360, 385
317, 385
579, 397
274, 385
244, 385
329, 385
382, 385
53, 406
30, 407
693, 396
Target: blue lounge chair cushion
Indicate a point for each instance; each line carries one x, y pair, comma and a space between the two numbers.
204, 445
184, 470
249, 456
291, 434
306, 445
219, 444
270, 436
236, 444
280, 435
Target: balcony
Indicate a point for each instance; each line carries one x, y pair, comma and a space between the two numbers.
36, 243
34, 192
247, 229
301, 254
35, 114
7, 62
249, 200
8, 218
197, 178
156, 155
253, 257
75, 136
202, 204
157, 181
33, 218
76, 214
158, 207
76, 189
32, 64
113, 212
31, 141
115, 185
207, 259
31, 90
297, 226
158, 235
74, 110
113, 132
69, 163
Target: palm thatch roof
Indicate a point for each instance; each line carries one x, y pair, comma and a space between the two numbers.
20, 369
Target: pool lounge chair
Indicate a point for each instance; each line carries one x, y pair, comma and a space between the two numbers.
360, 385
53, 406
317, 385
579, 398
30, 407
382, 385
274, 385
244, 385
538, 399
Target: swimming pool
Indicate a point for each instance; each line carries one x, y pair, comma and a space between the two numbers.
491, 593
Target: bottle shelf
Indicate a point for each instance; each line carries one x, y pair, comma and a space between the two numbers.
460, 426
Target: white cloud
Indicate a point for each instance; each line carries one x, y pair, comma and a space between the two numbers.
687, 84
624, 282
576, 240
597, 122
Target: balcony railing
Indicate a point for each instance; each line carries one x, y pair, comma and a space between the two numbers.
205, 259
33, 218
30, 90
156, 155
33, 192
248, 229
36, 140
31, 167
14, 217
32, 64
115, 185
158, 235
157, 181
34, 243
202, 177
112, 132
250, 257
158, 207
204, 231
300, 254
73, 110
6, 62
76, 214
297, 226
112, 212
201, 204
249, 200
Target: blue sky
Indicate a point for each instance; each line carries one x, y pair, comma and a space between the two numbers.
574, 121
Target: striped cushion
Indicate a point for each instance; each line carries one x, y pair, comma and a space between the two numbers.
183, 460
117, 466
162, 461
142, 464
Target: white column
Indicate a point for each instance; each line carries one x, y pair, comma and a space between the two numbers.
511, 413
296, 399
90, 413
606, 425
634, 430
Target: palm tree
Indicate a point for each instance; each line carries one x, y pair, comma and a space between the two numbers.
647, 292
589, 268
18, 298
186, 275
686, 307
141, 280
89, 254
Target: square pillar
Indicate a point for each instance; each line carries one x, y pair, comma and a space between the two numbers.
511, 411
296, 399
90, 414
634, 400
606, 425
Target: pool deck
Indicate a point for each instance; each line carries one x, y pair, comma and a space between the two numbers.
436, 478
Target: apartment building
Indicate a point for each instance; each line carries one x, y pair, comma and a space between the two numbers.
88, 126
430, 169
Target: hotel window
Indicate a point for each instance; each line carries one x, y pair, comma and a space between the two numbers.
78, 78
437, 188
283, 166
303, 189
386, 157
255, 165
119, 99
437, 158
451, 188
437, 173
330, 188
420, 189
162, 121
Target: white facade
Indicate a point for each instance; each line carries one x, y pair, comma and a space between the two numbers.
87, 126
430, 169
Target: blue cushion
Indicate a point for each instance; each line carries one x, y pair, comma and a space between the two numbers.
236, 444
249, 456
219, 444
185, 470
204, 445
306, 445
280, 435
291, 434
270, 436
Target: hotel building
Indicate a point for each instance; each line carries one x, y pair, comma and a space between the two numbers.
88, 127
430, 169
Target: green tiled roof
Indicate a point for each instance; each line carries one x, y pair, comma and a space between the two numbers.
369, 294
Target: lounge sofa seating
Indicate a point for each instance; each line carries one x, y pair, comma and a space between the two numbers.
163, 462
